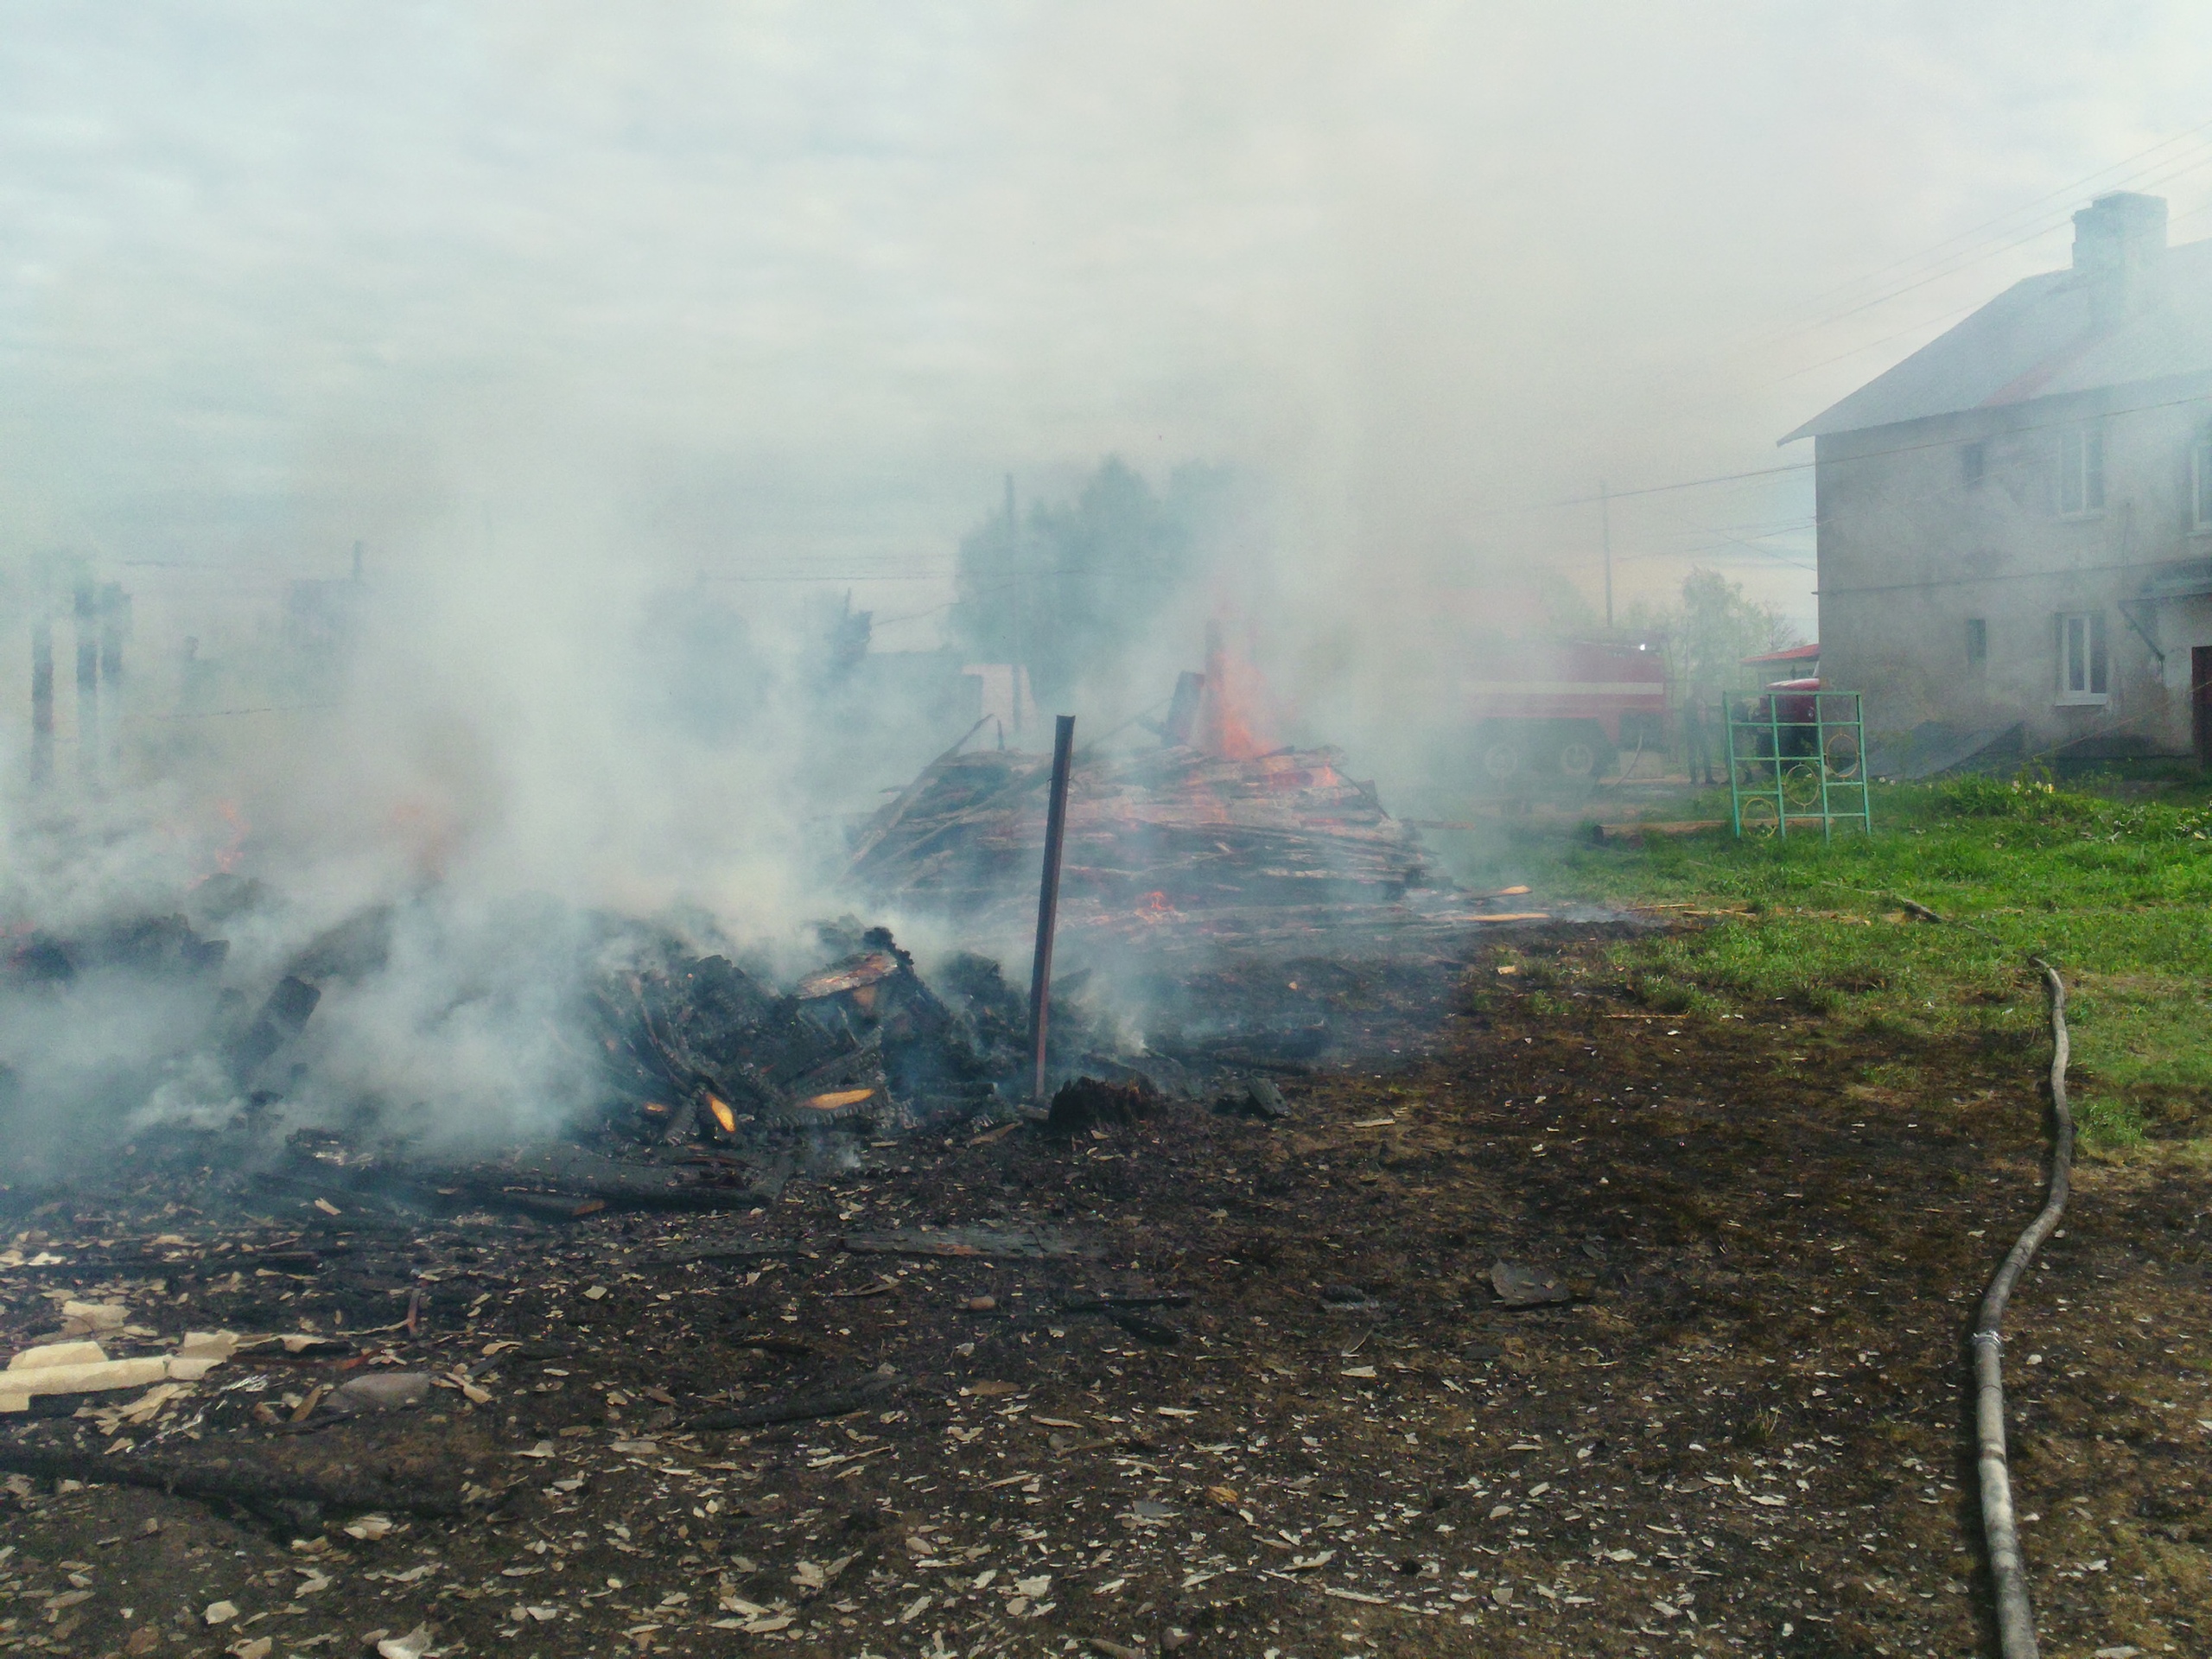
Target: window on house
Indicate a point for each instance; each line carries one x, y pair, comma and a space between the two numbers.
1973, 464
2200, 482
2082, 665
2081, 469
1976, 642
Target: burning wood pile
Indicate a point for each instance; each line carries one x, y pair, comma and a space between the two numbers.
664, 1050
694, 1047
1175, 830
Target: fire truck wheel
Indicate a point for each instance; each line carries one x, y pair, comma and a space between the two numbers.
1577, 758
1501, 758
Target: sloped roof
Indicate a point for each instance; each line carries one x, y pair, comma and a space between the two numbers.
2042, 338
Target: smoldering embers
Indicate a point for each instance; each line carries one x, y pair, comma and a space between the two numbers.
437, 1022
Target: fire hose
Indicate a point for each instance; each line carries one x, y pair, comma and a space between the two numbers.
2016, 1622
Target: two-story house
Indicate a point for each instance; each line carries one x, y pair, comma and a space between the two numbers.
2015, 523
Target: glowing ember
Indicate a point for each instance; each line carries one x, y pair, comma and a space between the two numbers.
859, 975
227, 859
835, 1099
723, 1115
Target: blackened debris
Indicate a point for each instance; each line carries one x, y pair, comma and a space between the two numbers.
41, 961
696, 1045
1146, 1329
552, 1182
1256, 1097
1034, 1244
1518, 1285
282, 1017
1109, 1303
224, 895
1162, 830
293, 1500
932, 1057
798, 1408
354, 949
145, 944
1085, 1102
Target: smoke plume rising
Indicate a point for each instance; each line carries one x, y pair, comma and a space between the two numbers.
620, 342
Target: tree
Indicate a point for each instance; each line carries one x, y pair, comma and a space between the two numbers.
1719, 625
1068, 590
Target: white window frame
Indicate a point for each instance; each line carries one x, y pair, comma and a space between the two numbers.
2200, 483
2084, 659
2079, 488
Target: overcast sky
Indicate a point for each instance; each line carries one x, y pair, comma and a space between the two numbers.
783, 289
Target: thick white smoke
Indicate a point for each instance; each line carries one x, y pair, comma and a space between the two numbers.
620, 341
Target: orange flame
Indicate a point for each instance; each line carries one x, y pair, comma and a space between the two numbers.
1232, 724
226, 860
836, 1099
723, 1115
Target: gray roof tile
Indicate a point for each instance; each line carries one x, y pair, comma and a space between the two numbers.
2041, 337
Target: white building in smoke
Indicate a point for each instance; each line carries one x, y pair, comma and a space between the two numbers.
2015, 521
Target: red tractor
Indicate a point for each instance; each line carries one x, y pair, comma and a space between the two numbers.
1564, 707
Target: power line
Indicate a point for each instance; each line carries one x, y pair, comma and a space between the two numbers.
1954, 312
933, 576
1867, 454
1959, 259
1937, 321
1987, 247
1681, 484
2063, 190
1965, 264
1753, 547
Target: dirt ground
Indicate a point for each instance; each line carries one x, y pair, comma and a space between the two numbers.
1743, 1435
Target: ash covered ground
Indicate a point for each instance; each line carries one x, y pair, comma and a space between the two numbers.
1607, 1332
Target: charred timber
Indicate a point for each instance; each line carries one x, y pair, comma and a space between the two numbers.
281, 1495
798, 1408
1048, 901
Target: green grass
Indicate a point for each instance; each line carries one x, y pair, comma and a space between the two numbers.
2116, 894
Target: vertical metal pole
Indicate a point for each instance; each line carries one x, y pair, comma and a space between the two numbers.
1735, 792
1866, 778
115, 620
41, 700
1213, 708
1048, 899
88, 682
1605, 529
1820, 753
1774, 744
1016, 576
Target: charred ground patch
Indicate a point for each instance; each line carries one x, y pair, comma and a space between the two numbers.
1251, 1385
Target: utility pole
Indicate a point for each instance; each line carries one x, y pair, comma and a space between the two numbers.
86, 616
42, 695
1017, 576
115, 625
1605, 527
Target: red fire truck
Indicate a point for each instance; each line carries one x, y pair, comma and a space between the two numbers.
1566, 707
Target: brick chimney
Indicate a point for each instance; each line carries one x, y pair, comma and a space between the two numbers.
2120, 244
